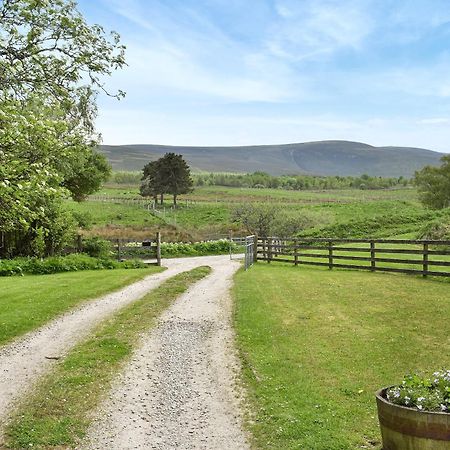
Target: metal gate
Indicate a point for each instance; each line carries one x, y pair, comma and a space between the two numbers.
249, 251
247, 243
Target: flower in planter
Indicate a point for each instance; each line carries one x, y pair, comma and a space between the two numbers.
425, 393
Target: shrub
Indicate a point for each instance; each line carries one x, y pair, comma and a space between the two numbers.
97, 247
218, 247
437, 230
56, 264
425, 393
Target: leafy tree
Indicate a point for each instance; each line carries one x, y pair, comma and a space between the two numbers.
48, 49
169, 174
174, 175
257, 218
51, 67
150, 181
434, 184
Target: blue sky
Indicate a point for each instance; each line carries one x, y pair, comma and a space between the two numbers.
238, 72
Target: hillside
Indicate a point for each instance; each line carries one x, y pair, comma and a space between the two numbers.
319, 158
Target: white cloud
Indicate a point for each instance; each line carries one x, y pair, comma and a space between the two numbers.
317, 27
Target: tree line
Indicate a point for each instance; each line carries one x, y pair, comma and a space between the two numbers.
298, 182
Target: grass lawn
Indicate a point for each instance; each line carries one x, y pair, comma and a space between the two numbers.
317, 344
28, 302
59, 412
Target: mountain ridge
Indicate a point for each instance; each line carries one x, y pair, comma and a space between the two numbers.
333, 157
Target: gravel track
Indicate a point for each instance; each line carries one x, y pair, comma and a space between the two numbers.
178, 391
23, 361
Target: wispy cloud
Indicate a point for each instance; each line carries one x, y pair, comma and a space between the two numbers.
318, 27
240, 71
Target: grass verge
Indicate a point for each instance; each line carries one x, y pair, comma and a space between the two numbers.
58, 413
26, 303
317, 344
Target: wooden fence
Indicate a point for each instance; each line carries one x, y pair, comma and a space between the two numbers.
133, 249
420, 257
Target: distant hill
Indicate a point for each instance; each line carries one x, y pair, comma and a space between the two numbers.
318, 158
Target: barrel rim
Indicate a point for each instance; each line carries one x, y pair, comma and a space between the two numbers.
380, 395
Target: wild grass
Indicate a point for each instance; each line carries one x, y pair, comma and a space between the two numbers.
207, 212
317, 344
26, 303
59, 412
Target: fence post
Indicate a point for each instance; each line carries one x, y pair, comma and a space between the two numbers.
79, 244
330, 255
425, 260
372, 256
295, 253
118, 249
255, 248
158, 248
269, 250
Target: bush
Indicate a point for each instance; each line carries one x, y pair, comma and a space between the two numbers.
437, 230
219, 247
97, 247
425, 393
57, 264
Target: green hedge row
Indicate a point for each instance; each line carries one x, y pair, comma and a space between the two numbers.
56, 264
219, 247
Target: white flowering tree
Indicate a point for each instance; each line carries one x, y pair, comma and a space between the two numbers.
52, 64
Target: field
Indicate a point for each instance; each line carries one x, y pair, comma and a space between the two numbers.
317, 344
207, 212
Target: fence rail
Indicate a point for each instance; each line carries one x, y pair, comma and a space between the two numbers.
427, 257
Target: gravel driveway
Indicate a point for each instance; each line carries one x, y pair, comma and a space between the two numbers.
178, 392
23, 361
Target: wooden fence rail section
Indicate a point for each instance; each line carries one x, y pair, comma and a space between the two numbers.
428, 257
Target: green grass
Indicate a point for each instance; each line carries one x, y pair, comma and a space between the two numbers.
317, 344
58, 413
26, 303
345, 213
120, 214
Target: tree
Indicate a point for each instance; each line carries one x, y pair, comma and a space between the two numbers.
257, 218
175, 175
169, 174
150, 182
51, 66
434, 184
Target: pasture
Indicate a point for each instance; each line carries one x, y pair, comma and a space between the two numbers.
206, 213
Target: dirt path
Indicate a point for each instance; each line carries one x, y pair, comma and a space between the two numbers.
23, 361
178, 391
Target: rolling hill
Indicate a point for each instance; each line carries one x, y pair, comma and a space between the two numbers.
318, 158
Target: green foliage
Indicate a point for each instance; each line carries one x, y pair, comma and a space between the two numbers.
257, 218
48, 50
57, 264
169, 174
297, 182
97, 247
47, 142
219, 247
434, 184
125, 177
266, 219
425, 393
438, 229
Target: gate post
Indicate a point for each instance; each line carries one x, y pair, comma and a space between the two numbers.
158, 248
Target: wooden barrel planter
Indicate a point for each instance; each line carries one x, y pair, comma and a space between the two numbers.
405, 428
